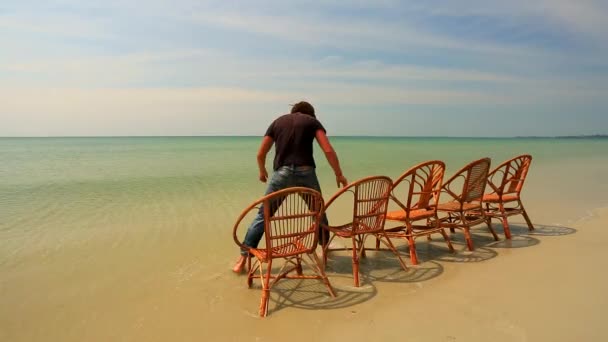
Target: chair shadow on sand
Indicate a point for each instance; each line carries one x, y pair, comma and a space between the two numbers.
434, 250
382, 266
376, 266
311, 294
542, 230
522, 237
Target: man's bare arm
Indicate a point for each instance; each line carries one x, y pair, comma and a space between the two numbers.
332, 157
262, 152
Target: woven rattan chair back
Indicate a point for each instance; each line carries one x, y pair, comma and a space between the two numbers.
292, 219
474, 177
509, 177
370, 203
423, 185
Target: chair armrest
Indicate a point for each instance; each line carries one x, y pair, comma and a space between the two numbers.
445, 189
335, 228
238, 223
497, 188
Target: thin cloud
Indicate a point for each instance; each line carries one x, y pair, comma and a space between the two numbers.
360, 34
203, 61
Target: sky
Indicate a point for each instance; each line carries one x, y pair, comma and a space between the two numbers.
370, 67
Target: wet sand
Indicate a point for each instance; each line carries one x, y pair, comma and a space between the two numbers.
548, 284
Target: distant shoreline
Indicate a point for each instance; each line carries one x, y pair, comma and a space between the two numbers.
595, 136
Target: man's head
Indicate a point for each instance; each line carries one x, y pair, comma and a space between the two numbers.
304, 108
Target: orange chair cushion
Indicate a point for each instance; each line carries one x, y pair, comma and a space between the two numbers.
455, 206
418, 214
494, 198
292, 248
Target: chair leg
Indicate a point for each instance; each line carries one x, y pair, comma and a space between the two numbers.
489, 224
362, 247
299, 266
412, 245
325, 250
526, 217
265, 289
450, 219
390, 245
503, 219
355, 263
316, 262
447, 240
467, 237
505, 227
413, 254
249, 272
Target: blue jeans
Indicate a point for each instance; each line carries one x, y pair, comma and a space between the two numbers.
284, 177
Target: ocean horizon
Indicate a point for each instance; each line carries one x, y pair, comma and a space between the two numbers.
580, 136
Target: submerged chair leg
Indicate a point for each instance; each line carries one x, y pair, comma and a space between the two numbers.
265, 289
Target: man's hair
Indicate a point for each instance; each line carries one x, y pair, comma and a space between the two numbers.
304, 108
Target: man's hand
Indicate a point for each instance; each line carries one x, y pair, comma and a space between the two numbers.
341, 180
331, 156
263, 176
264, 148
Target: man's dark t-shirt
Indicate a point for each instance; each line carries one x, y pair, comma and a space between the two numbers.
293, 135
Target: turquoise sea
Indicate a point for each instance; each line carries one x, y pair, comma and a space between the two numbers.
94, 232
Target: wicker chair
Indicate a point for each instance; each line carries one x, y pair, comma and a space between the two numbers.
465, 190
423, 183
505, 184
291, 230
370, 202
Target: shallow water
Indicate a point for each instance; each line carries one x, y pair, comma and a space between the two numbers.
97, 233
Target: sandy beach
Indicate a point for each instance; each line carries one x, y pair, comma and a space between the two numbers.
542, 285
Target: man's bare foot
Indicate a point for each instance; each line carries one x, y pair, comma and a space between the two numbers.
240, 264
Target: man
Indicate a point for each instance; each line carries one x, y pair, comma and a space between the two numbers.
294, 165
